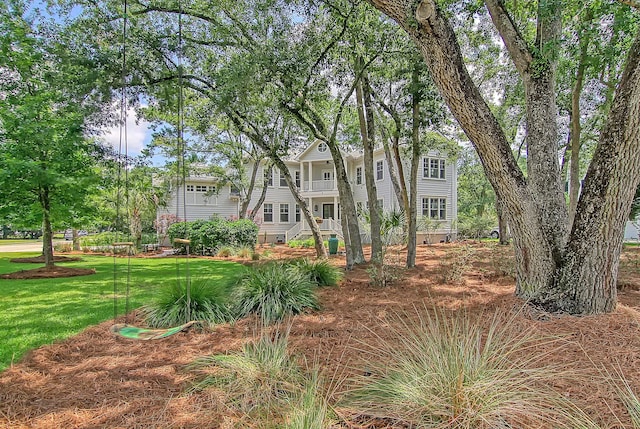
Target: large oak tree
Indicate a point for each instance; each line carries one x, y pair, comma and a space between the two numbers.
572, 270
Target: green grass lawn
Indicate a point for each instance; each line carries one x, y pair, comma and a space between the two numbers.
37, 312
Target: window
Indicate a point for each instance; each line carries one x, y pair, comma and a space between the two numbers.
433, 168
189, 188
284, 212
359, 207
434, 208
267, 212
379, 170
297, 176
283, 181
268, 177
322, 147
297, 213
327, 175
358, 175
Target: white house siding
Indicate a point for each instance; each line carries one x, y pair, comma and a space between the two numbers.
201, 207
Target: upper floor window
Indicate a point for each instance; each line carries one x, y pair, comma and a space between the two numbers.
268, 177
267, 212
358, 175
322, 147
283, 181
379, 170
189, 188
297, 176
433, 168
434, 208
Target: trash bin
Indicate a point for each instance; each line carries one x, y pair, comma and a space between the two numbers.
333, 245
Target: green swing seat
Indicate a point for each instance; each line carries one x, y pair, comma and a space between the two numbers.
134, 333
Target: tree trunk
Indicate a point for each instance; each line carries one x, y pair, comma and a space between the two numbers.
503, 230
244, 204
350, 227
365, 117
47, 233
586, 279
263, 194
75, 240
413, 179
574, 167
321, 251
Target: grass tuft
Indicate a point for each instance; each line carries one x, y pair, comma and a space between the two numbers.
208, 303
274, 291
449, 372
319, 271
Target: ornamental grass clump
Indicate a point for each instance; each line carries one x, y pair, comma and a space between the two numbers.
274, 291
320, 271
448, 371
208, 302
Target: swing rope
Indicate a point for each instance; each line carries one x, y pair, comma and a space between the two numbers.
182, 170
122, 165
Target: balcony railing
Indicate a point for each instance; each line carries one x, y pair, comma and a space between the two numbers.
319, 185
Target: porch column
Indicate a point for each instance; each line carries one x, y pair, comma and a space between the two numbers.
335, 180
301, 176
310, 176
335, 208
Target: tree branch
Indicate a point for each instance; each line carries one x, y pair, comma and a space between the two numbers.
513, 40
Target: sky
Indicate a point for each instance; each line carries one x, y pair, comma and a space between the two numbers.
138, 137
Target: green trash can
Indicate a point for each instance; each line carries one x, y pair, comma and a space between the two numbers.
333, 245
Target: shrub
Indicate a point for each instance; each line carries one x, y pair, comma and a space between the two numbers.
320, 271
244, 252
63, 247
274, 291
208, 303
456, 264
208, 236
225, 252
448, 372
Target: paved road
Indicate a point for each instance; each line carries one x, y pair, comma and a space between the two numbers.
23, 247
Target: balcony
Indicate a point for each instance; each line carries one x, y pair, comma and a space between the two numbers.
319, 185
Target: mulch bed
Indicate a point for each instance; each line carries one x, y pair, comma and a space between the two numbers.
96, 380
48, 273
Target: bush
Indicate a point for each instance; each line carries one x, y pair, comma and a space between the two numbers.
449, 372
208, 303
320, 271
208, 236
456, 264
274, 291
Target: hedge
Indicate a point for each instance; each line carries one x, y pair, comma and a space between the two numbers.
207, 236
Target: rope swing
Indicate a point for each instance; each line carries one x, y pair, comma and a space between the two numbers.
124, 330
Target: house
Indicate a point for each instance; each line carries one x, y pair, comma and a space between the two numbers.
279, 217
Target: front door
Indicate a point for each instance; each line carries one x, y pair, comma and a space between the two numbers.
328, 211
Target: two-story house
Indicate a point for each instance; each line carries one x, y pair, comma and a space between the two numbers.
279, 217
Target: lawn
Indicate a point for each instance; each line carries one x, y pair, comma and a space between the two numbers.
37, 312
8, 241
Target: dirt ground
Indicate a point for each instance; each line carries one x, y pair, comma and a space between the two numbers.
95, 380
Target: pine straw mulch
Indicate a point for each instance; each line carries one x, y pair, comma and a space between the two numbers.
95, 380
56, 271
40, 259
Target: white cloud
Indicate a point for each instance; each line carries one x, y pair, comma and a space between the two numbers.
137, 134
